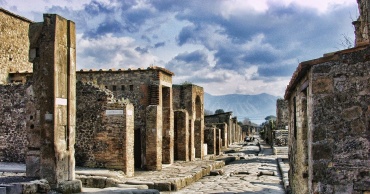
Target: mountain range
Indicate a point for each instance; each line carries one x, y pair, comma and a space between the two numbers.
253, 107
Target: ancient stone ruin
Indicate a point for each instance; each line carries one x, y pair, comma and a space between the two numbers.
328, 100
54, 117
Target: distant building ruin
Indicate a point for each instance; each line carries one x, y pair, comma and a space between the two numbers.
282, 121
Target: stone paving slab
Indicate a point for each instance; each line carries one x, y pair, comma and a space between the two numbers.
243, 176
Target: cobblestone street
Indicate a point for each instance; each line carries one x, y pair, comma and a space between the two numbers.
251, 168
250, 174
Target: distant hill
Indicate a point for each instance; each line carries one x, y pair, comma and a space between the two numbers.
254, 107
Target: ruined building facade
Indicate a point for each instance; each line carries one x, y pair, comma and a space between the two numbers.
188, 103
329, 120
230, 131
150, 91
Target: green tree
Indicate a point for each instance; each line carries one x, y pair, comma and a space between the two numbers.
218, 111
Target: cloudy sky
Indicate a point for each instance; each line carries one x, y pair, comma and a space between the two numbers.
225, 46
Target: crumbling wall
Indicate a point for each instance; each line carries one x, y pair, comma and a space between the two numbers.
14, 44
13, 135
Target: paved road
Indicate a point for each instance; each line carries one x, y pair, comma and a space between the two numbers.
244, 175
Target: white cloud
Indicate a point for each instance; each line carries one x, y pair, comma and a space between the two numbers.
235, 7
111, 52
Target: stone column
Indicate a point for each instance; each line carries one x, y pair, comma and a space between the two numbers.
210, 139
182, 135
198, 138
53, 53
153, 154
218, 141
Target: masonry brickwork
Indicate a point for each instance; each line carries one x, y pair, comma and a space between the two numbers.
182, 135
153, 132
15, 44
329, 105
190, 97
143, 87
105, 130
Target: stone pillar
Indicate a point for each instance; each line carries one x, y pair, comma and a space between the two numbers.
168, 137
153, 154
119, 137
229, 133
210, 139
182, 135
191, 141
223, 135
198, 138
218, 141
53, 53
168, 133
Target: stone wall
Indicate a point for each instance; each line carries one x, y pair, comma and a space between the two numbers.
105, 130
298, 142
14, 44
143, 87
13, 135
329, 104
